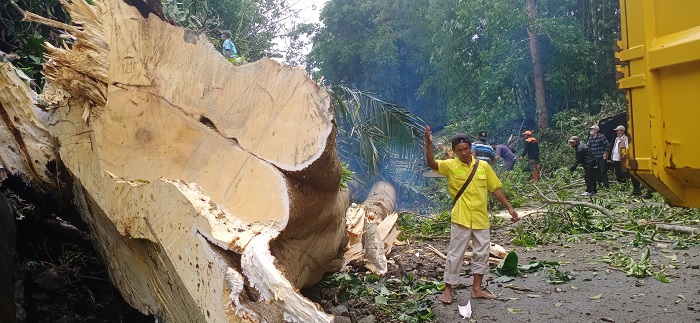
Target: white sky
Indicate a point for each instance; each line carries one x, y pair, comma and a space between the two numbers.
308, 13
309, 9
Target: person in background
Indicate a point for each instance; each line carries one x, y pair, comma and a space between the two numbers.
503, 152
228, 49
482, 150
585, 158
469, 215
532, 150
621, 142
599, 147
619, 151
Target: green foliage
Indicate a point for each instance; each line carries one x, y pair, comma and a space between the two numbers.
632, 268
253, 24
345, 175
26, 40
468, 62
555, 276
415, 226
509, 265
406, 299
378, 137
515, 182
508, 270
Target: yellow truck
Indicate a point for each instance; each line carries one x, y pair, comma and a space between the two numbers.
659, 56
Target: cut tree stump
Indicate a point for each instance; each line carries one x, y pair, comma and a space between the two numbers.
212, 191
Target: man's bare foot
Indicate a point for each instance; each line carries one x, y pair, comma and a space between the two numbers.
482, 294
446, 296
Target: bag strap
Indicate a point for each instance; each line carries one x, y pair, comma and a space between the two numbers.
469, 180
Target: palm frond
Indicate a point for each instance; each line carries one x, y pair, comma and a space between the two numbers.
378, 126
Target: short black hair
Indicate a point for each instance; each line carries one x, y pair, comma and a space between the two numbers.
482, 133
226, 33
460, 138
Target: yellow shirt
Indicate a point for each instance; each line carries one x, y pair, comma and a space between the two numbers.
471, 210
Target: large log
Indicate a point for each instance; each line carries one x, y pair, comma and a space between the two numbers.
212, 191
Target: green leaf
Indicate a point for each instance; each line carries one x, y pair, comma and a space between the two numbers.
509, 265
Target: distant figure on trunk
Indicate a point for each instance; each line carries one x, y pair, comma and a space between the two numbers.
228, 49
469, 214
532, 151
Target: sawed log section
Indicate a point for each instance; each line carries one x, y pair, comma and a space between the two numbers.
212, 191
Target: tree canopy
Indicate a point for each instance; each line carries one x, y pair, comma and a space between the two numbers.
467, 63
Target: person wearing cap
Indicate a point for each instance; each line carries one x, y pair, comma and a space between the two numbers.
482, 150
469, 215
618, 152
532, 150
599, 147
621, 142
585, 158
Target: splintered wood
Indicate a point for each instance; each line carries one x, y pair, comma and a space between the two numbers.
199, 180
371, 228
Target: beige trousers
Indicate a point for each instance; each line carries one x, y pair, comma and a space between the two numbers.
459, 240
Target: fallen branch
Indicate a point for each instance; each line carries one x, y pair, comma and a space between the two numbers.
585, 204
440, 254
677, 228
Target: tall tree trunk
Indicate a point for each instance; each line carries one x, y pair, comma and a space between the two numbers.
542, 113
212, 191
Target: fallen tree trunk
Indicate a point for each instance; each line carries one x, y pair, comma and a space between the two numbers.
371, 228
211, 191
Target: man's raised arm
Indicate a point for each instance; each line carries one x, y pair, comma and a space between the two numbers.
429, 154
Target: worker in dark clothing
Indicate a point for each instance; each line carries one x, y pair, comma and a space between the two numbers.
599, 147
532, 150
585, 158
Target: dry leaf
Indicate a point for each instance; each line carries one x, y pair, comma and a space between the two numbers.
514, 310
558, 304
534, 295
573, 287
599, 296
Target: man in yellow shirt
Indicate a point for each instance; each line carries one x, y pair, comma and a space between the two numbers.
470, 217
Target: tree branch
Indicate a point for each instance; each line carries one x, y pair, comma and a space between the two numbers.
586, 204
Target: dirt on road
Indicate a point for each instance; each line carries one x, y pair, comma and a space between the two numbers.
598, 293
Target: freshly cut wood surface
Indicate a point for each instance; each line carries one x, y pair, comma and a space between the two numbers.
212, 191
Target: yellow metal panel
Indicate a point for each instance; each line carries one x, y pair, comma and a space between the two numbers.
676, 48
632, 81
632, 53
661, 44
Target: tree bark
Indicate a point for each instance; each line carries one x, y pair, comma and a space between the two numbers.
211, 191
542, 113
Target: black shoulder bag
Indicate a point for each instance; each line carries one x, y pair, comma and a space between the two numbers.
464, 186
